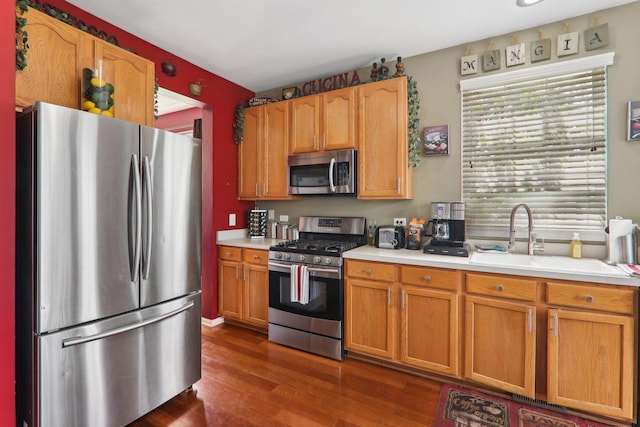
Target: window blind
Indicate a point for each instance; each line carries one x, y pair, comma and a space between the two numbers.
541, 142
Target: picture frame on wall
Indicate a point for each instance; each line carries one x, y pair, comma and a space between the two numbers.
436, 140
633, 121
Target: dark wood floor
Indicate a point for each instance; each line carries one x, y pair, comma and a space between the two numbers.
249, 381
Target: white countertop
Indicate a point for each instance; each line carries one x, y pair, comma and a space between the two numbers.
604, 274
240, 238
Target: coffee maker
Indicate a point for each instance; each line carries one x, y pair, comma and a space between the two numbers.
447, 230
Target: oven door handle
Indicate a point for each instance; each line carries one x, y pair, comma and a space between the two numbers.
310, 269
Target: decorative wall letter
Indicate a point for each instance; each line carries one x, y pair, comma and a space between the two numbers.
515, 54
596, 37
540, 50
469, 64
568, 43
491, 60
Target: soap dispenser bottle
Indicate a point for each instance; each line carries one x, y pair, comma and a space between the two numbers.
575, 248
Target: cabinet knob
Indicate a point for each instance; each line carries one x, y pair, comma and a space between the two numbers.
499, 288
589, 299
367, 271
427, 278
256, 257
228, 253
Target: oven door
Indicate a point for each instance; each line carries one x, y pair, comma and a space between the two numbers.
325, 292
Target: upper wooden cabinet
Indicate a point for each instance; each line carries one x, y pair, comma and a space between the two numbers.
133, 81
53, 62
324, 122
57, 52
383, 164
262, 157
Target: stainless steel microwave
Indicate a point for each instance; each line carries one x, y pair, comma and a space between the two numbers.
323, 173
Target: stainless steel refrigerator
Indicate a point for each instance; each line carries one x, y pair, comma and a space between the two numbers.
108, 242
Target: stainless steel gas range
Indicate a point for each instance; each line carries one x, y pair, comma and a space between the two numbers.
306, 286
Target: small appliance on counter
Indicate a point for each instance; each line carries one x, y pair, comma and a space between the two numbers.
621, 241
447, 229
257, 223
390, 237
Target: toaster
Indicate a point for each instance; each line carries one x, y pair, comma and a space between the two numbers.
390, 237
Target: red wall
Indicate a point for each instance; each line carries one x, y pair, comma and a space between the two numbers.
7, 213
220, 168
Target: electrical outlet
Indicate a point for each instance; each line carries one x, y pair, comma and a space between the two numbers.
400, 221
232, 220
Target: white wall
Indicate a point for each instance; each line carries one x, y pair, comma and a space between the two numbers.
438, 75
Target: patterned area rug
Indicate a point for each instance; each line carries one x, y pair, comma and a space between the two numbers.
459, 407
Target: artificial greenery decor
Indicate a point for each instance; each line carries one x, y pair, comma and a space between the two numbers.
238, 125
22, 38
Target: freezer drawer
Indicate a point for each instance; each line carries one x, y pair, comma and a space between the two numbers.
111, 372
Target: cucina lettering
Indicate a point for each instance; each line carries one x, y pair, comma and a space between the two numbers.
337, 81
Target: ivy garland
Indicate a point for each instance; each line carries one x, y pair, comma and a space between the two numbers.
238, 125
413, 122
22, 38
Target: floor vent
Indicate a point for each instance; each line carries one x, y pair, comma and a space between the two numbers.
539, 403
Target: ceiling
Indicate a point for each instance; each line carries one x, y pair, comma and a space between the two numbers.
266, 44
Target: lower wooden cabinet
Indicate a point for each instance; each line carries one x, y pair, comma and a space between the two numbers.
404, 314
569, 343
243, 285
370, 308
500, 332
591, 355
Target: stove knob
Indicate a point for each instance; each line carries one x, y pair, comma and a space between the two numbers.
328, 261
301, 257
317, 259
287, 256
277, 255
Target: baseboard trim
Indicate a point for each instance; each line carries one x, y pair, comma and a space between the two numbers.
212, 323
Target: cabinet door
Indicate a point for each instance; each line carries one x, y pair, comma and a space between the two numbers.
305, 123
338, 124
276, 151
383, 153
248, 154
370, 318
53, 60
591, 362
230, 289
430, 329
133, 82
256, 294
500, 338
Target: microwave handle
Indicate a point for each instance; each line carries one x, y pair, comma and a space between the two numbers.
332, 164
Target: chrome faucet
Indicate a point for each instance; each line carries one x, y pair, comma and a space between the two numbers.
533, 244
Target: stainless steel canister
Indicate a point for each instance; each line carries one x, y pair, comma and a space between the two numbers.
293, 233
282, 230
272, 229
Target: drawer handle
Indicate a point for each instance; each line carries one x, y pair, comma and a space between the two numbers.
427, 278
500, 288
589, 299
228, 253
256, 257
367, 271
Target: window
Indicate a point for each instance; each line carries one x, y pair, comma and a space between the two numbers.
537, 136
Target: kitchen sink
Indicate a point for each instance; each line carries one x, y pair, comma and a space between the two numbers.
546, 263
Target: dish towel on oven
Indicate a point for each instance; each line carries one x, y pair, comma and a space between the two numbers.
300, 284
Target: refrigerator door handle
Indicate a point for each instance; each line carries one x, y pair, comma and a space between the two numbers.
138, 220
146, 260
69, 342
